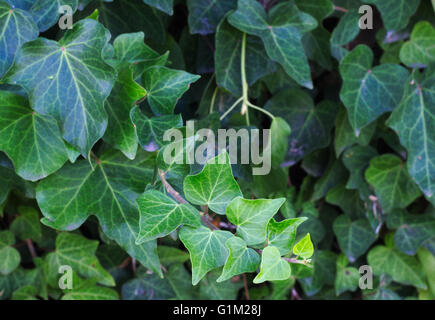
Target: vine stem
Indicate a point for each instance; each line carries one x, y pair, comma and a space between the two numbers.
231, 108
213, 99
337, 8
31, 248
253, 106
244, 81
245, 284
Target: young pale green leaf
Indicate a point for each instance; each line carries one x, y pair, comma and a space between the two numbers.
272, 267
205, 15
310, 126
391, 181
163, 5
207, 249
369, 92
17, 28
27, 224
304, 248
68, 80
120, 131
214, 186
282, 234
281, 31
396, 13
401, 267
228, 59
150, 131
419, 50
91, 292
165, 86
79, 253
354, 237
252, 217
241, 259
108, 191
160, 215
32, 141
413, 121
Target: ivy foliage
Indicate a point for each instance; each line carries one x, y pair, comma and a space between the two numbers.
86, 189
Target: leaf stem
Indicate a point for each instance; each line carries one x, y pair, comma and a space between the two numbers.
245, 85
253, 106
170, 189
213, 99
31, 248
341, 9
231, 108
245, 284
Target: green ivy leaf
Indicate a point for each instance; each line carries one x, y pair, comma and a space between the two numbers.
396, 13
31, 141
18, 27
319, 10
46, 12
304, 248
163, 5
205, 15
160, 215
214, 186
354, 237
369, 92
9, 257
165, 86
207, 249
68, 197
282, 234
252, 217
241, 259
347, 278
58, 78
356, 160
392, 183
281, 31
212, 290
27, 224
89, 291
272, 267
419, 50
346, 30
147, 287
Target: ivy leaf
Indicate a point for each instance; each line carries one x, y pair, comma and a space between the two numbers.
214, 186
17, 28
346, 30
179, 279
89, 291
79, 253
241, 259
396, 13
419, 50
347, 278
27, 225
282, 234
31, 141
147, 287
279, 140
228, 58
210, 289
69, 81
207, 249
318, 10
205, 15
150, 131
369, 92
272, 267
354, 237
68, 197
46, 12
356, 160
160, 215
281, 31
412, 120
304, 247
401, 267
9, 257
393, 185
163, 5
252, 217
310, 126
165, 86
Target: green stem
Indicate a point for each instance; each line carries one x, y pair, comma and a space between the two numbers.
213, 99
244, 81
231, 108
253, 106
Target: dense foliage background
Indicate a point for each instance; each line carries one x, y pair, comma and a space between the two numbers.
83, 182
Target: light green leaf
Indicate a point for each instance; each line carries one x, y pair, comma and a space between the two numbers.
88, 290
354, 237
79, 253
281, 31
392, 183
9, 259
160, 215
68, 197
214, 186
272, 267
304, 248
69, 81
32, 141
205, 15
165, 86
419, 50
17, 28
241, 259
369, 92
150, 131
396, 13
207, 249
282, 234
252, 217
